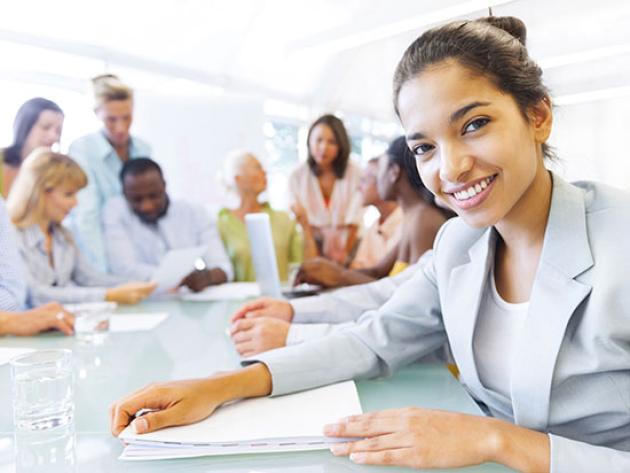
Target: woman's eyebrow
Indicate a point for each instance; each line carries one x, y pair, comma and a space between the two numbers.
459, 113
456, 115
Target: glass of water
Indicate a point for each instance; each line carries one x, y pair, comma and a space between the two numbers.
43, 388
91, 323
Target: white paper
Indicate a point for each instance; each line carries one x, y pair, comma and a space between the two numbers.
7, 353
233, 291
284, 423
175, 266
136, 322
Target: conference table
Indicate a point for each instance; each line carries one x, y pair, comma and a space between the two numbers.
192, 342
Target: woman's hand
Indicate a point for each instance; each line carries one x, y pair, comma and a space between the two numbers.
426, 438
264, 307
31, 322
320, 271
253, 336
130, 293
176, 403
189, 401
300, 214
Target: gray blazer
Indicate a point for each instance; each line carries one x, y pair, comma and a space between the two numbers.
571, 375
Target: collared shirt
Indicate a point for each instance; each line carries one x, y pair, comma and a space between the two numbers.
287, 240
102, 165
135, 248
12, 283
71, 278
378, 240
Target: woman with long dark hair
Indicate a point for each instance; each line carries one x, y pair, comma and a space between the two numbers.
38, 123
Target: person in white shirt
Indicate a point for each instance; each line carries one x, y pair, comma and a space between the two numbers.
141, 227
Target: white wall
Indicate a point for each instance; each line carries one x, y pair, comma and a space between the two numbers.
592, 141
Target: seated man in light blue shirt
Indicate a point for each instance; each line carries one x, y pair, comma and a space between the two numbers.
141, 227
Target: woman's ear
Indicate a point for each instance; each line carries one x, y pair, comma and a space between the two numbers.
393, 172
541, 117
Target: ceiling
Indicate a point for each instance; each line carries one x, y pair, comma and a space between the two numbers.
330, 54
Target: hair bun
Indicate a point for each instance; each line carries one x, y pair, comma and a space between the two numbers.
509, 24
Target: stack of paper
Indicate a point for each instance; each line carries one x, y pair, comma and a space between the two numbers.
279, 424
225, 292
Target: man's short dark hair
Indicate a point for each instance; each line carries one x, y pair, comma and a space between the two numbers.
138, 166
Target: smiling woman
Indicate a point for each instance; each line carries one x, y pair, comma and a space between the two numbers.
41, 198
528, 287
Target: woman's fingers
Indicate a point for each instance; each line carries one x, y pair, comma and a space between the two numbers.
125, 410
399, 457
373, 444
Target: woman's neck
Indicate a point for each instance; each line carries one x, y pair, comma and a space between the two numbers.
385, 209
524, 226
45, 226
249, 203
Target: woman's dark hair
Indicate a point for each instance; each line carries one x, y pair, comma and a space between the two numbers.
25, 118
399, 153
343, 142
493, 47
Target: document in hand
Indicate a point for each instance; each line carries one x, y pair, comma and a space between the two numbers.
263, 425
175, 266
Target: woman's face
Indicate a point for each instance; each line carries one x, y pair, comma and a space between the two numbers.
474, 148
385, 178
116, 116
46, 131
367, 184
323, 145
251, 176
59, 201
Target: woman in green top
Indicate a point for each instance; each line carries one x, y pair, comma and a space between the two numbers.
248, 179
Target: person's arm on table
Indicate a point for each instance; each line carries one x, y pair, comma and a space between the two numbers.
185, 402
31, 322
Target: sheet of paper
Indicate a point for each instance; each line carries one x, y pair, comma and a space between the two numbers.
7, 353
176, 265
136, 322
284, 423
234, 291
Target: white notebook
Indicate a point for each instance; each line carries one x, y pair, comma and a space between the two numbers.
280, 424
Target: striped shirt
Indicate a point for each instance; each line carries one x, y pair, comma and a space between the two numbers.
71, 278
12, 283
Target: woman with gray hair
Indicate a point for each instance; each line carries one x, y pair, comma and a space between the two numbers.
247, 178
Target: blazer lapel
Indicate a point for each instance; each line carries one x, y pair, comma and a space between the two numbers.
465, 289
555, 296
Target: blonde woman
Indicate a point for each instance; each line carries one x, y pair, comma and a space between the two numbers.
42, 195
101, 155
246, 177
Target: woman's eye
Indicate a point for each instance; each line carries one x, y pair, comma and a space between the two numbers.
422, 149
476, 124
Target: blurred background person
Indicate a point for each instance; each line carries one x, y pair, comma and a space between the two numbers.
397, 180
101, 155
38, 123
384, 233
141, 226
324, 189
247, 178
42, 195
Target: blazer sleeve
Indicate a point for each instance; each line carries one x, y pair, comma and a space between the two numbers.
572, 456
348, 303
407, 327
